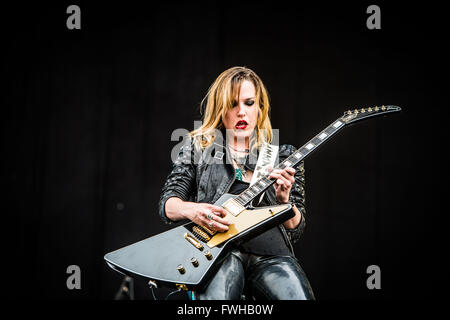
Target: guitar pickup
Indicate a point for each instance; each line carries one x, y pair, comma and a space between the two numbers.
193, 241
233, 207
201, 233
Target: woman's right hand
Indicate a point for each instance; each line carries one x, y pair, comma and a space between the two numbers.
177, 209
198, 213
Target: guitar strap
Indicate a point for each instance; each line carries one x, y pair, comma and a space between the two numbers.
267, 157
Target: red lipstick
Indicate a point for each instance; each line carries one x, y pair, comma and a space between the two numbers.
242, 124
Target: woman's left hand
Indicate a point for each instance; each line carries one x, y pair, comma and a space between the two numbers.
283, 184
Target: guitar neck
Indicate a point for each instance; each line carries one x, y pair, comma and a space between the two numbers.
293, 161
261, 185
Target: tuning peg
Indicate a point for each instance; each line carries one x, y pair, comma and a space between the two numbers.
363, 110
356, 111
370, 109
383, 108
376, 108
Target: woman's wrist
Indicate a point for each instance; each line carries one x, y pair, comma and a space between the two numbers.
177, 209
294, 222
283, 201
188, 210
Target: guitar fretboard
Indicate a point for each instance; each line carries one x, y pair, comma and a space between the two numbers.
293, 161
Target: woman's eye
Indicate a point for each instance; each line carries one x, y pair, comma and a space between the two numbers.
235, 103
249, 103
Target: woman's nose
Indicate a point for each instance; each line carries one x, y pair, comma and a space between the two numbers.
241, 110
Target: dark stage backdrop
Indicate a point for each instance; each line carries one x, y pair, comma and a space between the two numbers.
87, 117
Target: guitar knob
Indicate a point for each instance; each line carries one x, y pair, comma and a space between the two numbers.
194, 262
181, 269
208, 255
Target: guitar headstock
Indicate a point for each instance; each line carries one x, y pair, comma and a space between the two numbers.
363, 113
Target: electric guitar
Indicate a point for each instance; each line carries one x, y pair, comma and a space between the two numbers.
186, 256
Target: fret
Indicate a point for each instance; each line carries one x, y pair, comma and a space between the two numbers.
292, 162
281, 166
316, 141
256, 189
337, 124
304, 151
267, 183
267, 180
294, 159
246, 200
322, 136
330, 130
261, 184
310, 146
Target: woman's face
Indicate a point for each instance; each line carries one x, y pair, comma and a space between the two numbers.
241, 120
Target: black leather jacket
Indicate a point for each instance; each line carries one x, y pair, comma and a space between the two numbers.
194, 179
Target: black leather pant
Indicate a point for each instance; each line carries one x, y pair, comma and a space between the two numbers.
258, 277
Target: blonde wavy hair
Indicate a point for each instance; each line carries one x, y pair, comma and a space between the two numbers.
220, 98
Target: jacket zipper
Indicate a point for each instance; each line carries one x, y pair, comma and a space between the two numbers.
232, 180
234, 176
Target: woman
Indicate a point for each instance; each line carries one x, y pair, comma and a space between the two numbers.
237, 107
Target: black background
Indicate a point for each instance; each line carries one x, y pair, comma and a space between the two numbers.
87, 117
